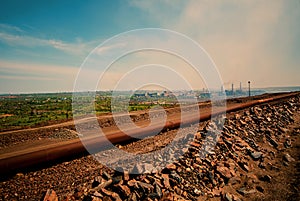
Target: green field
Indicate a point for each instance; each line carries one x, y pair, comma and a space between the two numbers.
33, 110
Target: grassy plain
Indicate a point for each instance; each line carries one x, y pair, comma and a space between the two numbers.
20, 111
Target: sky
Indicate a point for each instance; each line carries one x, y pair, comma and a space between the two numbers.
43, 44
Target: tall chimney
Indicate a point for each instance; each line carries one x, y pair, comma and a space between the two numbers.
249, 88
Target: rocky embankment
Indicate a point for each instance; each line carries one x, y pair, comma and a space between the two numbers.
255, 158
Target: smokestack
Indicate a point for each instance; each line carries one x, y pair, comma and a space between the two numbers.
249, 88
232, 88
240, 86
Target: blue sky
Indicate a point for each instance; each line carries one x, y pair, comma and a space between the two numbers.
43, 43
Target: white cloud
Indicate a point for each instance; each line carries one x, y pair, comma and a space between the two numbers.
14, 36
103, 49
8, 27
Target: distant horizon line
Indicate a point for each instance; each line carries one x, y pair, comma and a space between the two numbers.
156, 90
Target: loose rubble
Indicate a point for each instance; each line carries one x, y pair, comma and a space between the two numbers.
10, 140
254, 144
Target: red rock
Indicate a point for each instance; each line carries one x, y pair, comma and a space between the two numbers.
178, 190
236, 198
194, 144
171, 166
111, 194
198, 136
227, 197
217, 192
50, 195
224, 171
126, 175
146, 180
166, 180
244, 191
232, 171
132, 182
106, 192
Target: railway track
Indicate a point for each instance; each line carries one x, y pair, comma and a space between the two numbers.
47, 155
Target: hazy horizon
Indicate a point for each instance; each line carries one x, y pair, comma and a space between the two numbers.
288, 88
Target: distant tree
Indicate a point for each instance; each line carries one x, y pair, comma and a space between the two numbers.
33, 112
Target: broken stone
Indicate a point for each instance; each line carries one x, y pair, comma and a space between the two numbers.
96, 197
285, 163
111, 194
211, 177
228, 197
132, 183
175, 176
197, 192
244, 191
50, 196
126, 175
244, 166
102, 185
106, 176
273, 142
158, 191
284, 130
224, 171
216, 192
236, 198
166, 181
194, 144
287, 143
171, 166
256, 155
288, 158
145, 186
